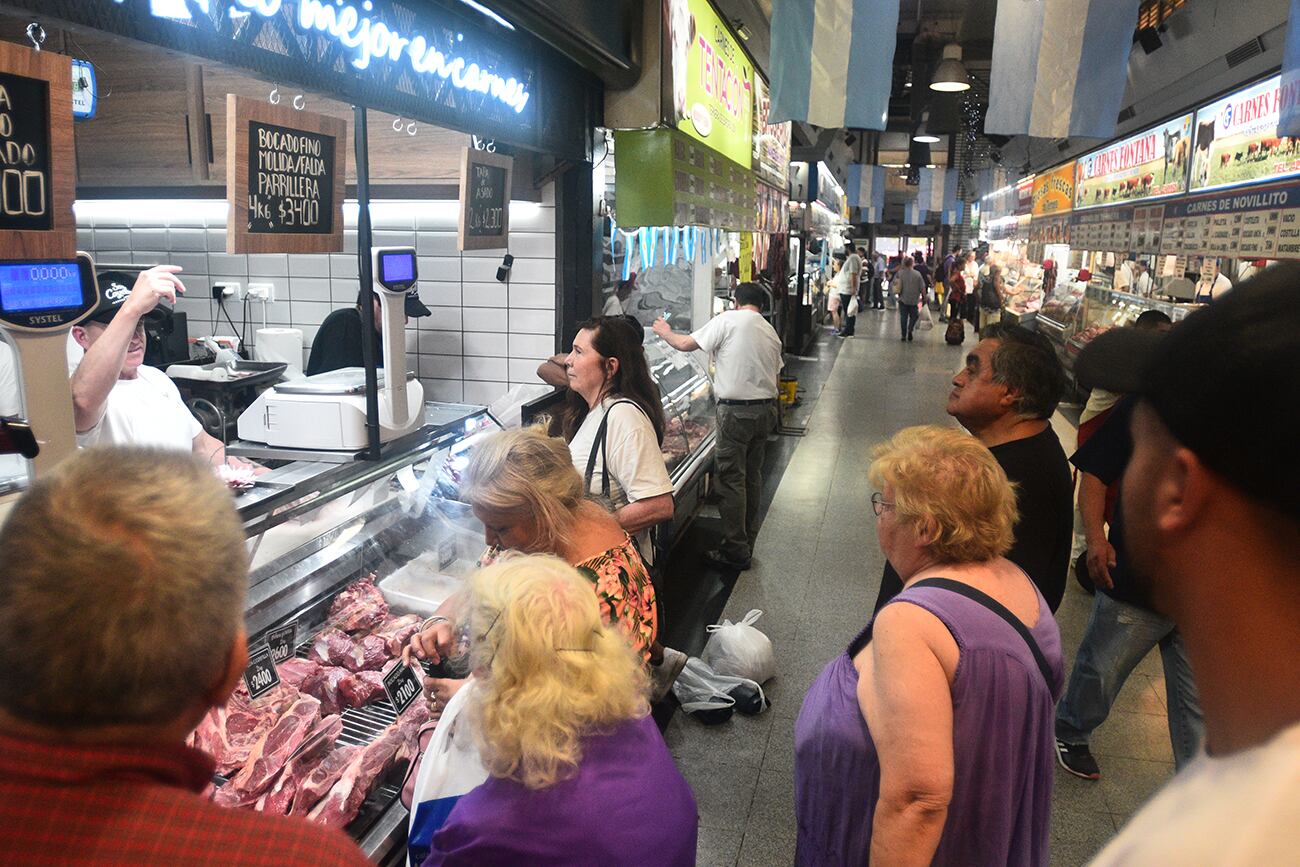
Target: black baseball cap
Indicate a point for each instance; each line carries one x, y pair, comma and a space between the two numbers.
1223, 381
413, 305
114, 288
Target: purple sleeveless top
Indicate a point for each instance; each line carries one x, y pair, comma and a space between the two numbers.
1003, 748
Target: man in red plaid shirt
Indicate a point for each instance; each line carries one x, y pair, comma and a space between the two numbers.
121, 625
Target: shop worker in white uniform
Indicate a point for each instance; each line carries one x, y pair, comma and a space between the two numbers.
747, 367
116, 398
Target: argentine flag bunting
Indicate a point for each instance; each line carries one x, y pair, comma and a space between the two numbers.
866, 191
937, 192
832, 61
1059, 67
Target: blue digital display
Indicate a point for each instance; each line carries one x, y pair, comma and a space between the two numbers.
396, 267
34, 286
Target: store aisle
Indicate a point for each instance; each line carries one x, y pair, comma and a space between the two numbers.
816, 572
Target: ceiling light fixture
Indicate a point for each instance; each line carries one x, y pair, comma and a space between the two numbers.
741, 30
922, 132
950, 76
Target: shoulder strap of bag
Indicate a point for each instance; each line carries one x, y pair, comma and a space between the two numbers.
1000, 610
598, 445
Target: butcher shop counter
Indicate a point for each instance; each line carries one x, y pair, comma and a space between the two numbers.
391, 531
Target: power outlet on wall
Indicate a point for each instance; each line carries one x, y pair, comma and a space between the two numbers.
263, 292
226, 291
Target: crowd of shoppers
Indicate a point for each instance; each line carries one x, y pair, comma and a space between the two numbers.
932, 738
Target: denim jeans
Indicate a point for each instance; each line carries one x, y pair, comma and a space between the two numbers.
907, 316
1118, 636
850, 322
741, 445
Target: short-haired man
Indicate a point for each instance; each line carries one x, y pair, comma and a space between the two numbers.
121, 625
1005, 396
747, 367
851, 272
1212, 518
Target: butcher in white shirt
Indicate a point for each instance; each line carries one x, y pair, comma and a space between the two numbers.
116, 398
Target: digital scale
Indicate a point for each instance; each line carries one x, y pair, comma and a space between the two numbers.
40, 301
327, 412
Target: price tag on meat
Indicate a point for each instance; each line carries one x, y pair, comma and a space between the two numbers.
282, 641
403, 686
261, 677
446, 553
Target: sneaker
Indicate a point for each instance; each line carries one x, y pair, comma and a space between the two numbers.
716, 559
1078, 760
663, 675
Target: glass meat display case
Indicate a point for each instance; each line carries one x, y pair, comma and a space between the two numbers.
1105, 308
1024, 295
348, 559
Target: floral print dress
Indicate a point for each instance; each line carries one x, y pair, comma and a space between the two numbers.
625, 593
623, 589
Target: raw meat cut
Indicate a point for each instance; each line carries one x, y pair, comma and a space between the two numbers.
360, 607
229, 733
361, 688
399, 741
396, 631
321, 779
333, 647
324, 685
270, 754
313, 750
295, 670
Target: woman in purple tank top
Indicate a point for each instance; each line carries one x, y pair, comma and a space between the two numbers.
930, 739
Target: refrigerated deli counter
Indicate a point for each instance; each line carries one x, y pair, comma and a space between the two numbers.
348, 558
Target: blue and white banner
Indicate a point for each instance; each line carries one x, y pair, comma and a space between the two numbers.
1059, 67
912, 213
937, 192
832, 61
866, 191
1288, 122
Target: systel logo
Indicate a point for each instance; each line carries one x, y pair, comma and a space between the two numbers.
1225, 120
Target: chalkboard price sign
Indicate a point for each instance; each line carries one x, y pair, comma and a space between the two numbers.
285, 173
403, 685
485, 200
260, 677
25, 153
290, 183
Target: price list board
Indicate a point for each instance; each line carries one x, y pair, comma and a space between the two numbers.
1257, 234
485, 180
284, 183
1145, 229
1288, 234
36, 155
1171, 236
1221, 237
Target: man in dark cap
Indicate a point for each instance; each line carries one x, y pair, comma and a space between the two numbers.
117, 399
338, 343
1211, 511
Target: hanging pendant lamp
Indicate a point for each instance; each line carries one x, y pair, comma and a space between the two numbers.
950, 76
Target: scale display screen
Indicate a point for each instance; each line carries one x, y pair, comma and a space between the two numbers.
38, 286
396, 268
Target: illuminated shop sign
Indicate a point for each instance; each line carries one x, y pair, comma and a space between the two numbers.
1237, 140
367, 37
1148, 165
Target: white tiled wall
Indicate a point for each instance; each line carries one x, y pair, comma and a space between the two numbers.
482, 338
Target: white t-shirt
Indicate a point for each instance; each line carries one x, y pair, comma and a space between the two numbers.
1124, 276
613, 307
1238, 811
853, 264
11, 396
145, 411
1206, 291
636, 464
746, 355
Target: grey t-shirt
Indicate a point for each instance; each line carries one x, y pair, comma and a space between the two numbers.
909, 285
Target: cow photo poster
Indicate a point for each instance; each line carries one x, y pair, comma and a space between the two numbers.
1237, 140
1148, 165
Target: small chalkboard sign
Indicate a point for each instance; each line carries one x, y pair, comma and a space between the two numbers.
36, 162
285, 179
403, 686
485, 200
282, 641
260, 677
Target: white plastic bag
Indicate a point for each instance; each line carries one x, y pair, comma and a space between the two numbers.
449, 768
697, 690
740, 649
853, 306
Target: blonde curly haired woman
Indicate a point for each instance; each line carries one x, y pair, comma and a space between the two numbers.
578, 772
521, 484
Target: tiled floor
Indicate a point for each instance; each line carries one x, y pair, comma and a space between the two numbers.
815, 576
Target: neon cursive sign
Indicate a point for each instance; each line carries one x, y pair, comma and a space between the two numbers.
369, 38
